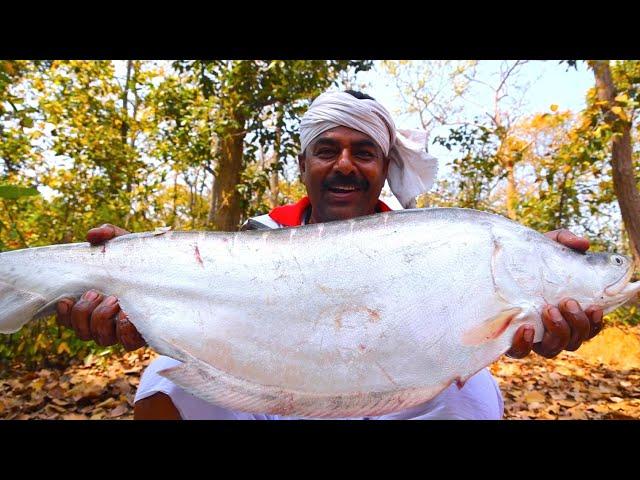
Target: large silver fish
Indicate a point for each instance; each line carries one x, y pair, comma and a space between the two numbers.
348, 318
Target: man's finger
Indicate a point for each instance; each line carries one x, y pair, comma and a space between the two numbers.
565, 237
103, 322
557, 333
63, 309
105, 232
522, 342
127, 334
594, 314
81, 313
578, 322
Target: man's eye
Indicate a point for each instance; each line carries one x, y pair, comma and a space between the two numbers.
325, 153
365, 154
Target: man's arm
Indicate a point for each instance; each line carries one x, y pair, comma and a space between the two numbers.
158, 406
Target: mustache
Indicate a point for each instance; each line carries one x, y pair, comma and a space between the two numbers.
337, 181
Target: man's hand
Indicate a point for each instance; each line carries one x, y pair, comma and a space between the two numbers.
99, 318
565, 326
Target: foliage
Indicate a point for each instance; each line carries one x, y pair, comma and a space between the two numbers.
45, 344
476, 171
433, 90
12, 192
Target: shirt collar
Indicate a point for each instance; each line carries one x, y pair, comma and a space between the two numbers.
292, 215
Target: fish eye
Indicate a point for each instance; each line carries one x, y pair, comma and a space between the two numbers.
617, 260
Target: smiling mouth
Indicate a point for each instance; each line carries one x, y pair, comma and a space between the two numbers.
344, 189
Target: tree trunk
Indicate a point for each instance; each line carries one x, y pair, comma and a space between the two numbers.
624, 180
124, 129
274, 183
215, 155
174, 210
274, 186
561, 205
226, 199
512, 191
124, 133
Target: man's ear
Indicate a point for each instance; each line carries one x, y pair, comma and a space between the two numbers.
387, 161
301, 164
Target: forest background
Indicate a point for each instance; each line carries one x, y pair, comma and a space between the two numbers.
198, 145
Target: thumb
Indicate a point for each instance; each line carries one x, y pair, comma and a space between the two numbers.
105, 232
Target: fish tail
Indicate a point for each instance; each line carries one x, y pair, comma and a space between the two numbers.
18, 306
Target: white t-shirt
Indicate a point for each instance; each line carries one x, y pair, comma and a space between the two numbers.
479, 399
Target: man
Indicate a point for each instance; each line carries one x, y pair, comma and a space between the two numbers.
349, 146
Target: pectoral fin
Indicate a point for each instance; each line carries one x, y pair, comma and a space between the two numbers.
491, 328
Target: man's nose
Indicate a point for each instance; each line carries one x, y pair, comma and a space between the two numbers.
345, 164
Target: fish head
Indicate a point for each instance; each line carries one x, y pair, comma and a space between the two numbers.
611, 279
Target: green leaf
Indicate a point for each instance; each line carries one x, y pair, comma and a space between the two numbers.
12, 192
27, 122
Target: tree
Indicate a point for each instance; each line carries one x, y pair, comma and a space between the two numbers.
16, 115
183, 142
433, 90
509, 151
613, 105
244, 94
96, 127
439, 91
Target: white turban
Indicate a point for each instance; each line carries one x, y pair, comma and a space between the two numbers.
411, 169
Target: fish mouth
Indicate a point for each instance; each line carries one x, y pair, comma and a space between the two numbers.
617, 286
627, 294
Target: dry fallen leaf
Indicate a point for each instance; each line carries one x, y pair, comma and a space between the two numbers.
74, 416
57, 408
534, 397
108, 403
118, 411
600, 408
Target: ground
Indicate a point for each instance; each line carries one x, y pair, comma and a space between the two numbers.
599, 381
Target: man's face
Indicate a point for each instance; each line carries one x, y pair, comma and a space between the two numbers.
344, 171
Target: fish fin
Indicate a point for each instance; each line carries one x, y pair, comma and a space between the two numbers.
491, 328
513, 279
222, 389
18, 306
216, 388
162, 230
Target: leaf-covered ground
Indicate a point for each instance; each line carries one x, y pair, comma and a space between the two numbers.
599, 381
98, 388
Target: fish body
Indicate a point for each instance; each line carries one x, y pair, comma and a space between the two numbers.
341, 319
